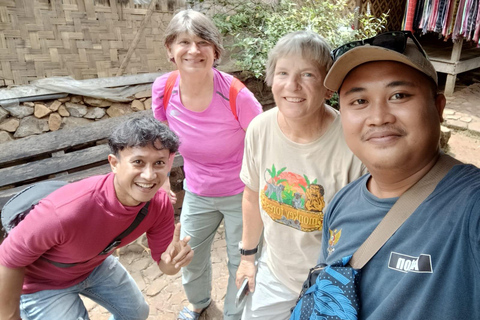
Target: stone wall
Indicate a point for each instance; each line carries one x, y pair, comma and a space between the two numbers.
37, 117
29, 118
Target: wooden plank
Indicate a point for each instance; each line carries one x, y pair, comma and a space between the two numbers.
47, 143
103, 169
443, 66
49, 166
470, 64
127, 80
456, 67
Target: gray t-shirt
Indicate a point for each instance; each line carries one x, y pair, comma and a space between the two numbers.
430, 268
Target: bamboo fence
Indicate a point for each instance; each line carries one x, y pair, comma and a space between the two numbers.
79, 38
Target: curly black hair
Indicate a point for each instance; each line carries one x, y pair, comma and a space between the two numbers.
142, 131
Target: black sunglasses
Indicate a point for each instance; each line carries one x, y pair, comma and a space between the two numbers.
395, 40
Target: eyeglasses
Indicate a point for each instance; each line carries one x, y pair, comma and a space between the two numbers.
396, 41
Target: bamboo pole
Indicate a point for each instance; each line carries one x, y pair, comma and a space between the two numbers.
136, 40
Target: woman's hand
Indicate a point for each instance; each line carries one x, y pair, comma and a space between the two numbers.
246, 269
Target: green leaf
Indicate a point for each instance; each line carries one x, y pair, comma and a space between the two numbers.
303, 188
281, 170
306, 179
270, 173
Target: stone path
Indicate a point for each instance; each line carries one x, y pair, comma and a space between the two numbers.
165, 293
463, 109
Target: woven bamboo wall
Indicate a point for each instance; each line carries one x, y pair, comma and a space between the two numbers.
89, 38
78, 38
396, 10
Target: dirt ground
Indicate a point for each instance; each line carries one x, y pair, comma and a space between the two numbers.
465, 147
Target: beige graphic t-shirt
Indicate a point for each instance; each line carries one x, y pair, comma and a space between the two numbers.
295, 182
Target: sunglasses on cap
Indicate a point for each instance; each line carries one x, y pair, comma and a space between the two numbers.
395, 40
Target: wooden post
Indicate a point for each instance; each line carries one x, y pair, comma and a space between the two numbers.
452, 77
136, 40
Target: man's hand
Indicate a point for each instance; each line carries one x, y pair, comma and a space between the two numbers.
246, 269
178, 254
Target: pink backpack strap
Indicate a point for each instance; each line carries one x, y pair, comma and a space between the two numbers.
235, 88
172, 78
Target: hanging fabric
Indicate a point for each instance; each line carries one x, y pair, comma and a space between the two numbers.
432, 17
451, 18
472, 18
409, 16
442, 15
477, 31
452, 9
418, 13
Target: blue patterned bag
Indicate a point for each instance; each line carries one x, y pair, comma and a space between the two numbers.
329, 293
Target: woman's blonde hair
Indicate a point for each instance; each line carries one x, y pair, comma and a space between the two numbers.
306, 44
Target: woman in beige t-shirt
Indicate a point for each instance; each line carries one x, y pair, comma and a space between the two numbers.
295, 160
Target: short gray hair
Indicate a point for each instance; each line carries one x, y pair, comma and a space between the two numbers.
306, 44
196, 23
140, 132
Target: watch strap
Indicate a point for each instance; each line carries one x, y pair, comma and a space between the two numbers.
249, 252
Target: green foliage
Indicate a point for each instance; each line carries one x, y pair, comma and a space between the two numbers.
333, 101
287, 195
256, 26
274, 174
371, 25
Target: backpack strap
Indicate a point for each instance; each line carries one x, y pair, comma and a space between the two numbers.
115, 243
235, 88
167, 92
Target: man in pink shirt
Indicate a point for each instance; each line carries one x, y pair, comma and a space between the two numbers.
76, 222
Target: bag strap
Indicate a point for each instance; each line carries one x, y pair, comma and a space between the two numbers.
235, 87
115, 243
139, 218
401, 210
167, 93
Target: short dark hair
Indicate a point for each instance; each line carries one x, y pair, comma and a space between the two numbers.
140, 132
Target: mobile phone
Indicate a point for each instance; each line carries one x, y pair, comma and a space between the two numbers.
242, 293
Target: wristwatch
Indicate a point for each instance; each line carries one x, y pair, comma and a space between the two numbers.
244, 252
